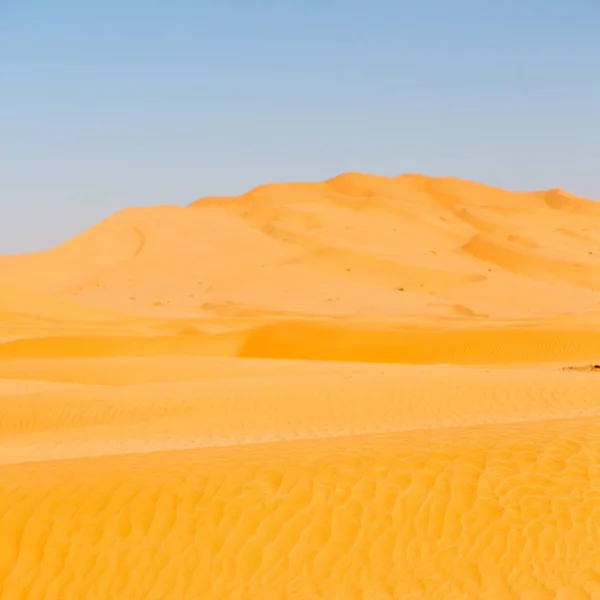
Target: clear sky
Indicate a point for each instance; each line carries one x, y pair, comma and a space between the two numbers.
121, 102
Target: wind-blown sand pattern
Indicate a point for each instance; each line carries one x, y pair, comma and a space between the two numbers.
367, 388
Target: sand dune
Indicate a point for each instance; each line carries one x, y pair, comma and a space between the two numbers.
365, 388
91, 407
410, 247
494, 512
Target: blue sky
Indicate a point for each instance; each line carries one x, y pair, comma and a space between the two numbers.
126, 102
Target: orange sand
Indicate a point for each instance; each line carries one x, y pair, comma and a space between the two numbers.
352, 389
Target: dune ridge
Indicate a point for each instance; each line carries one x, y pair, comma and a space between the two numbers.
364, 388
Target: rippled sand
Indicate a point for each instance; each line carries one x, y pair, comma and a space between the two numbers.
367, 388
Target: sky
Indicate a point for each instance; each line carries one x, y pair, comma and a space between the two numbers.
116, 103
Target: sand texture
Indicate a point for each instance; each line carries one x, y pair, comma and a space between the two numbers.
366, 388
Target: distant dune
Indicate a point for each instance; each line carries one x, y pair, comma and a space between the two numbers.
410, 247
366, 388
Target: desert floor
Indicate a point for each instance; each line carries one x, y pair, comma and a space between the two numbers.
367, 388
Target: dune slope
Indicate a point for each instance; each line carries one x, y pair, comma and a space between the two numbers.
496, 512
294, 479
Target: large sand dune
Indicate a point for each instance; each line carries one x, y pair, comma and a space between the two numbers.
352, 389
356, 246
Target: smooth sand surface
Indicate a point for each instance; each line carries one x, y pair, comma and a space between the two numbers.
366, 388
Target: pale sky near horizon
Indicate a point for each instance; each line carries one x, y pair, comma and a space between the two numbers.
126, 102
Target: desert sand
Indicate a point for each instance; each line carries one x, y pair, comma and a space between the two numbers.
366, 388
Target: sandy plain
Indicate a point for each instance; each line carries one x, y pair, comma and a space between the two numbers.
366, 388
